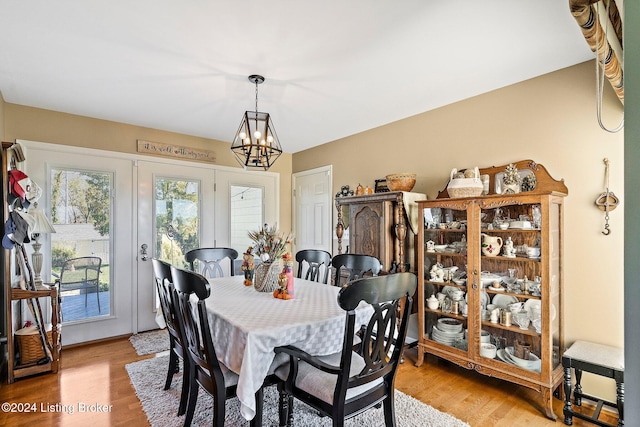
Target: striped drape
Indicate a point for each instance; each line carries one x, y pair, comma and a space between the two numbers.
593, 20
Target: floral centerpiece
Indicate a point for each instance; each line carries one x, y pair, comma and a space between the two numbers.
269, 245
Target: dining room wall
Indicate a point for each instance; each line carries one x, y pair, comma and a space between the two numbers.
35, 124
550, 119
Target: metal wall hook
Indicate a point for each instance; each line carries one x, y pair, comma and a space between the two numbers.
607, 201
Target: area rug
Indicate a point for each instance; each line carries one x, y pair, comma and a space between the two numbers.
161, 407
150, 342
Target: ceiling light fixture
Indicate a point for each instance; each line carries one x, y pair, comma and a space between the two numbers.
256, 144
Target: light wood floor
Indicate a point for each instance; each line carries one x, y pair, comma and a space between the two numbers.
95, 374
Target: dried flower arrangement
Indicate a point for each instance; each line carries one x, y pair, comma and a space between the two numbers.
269, 244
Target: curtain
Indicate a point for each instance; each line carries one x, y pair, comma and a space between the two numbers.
592, 17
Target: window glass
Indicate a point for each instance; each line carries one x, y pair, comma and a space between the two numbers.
81, 212
246, 214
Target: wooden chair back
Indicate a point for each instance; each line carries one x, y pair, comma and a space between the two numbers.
365, 377
317, 263
355, 265
207, 261
205, 368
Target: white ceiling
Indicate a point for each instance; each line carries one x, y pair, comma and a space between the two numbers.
333, 68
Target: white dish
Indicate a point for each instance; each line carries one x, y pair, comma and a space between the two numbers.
484, 299
485, 336
449, 325
520, 225
487, 278
503, 301
505, 357
449, 291
488, 350
531, 303
532, 364
440, 248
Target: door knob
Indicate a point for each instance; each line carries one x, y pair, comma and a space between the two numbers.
143, 252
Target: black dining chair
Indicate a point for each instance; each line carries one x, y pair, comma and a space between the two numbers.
204, 369
355, 266
177, 352
206, 261
317, 263
347, 383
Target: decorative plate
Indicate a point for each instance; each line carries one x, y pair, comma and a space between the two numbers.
503, 301
536, 302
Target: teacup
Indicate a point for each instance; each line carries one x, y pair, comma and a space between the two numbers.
488, 350
533, 252
515, 307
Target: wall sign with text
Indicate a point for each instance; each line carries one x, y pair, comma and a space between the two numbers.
175, 151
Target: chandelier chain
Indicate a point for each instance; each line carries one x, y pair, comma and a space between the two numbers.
256, 96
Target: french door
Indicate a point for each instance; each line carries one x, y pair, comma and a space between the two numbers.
182, 206
99, 226
168, 205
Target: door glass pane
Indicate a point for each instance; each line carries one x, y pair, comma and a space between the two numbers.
81, 213
177, 204
246, 215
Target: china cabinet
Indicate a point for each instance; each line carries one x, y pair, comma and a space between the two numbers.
493, 263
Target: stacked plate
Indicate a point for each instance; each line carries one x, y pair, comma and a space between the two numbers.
533, 364
447, 331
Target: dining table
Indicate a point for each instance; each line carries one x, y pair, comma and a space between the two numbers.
247, 325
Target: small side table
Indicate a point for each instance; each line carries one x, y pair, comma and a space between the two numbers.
598, 359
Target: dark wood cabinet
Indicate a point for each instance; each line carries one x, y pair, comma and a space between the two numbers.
379, 226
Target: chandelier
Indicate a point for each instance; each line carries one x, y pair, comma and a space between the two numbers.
256, 144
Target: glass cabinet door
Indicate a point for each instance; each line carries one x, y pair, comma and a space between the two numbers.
516, 301
445, 272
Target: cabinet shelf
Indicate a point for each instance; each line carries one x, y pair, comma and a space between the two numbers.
453, 284
448, 254
16, 370
510, 230
475, 212
513, 328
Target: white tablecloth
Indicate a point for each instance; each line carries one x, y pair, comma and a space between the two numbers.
247, 325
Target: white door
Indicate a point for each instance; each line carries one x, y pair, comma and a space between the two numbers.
78, 234
175, 214
182, 206
312, 204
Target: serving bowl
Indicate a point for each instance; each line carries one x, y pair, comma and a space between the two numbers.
401, 181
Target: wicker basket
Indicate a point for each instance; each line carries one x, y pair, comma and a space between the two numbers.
465, 187
266, 276
29, 344
401, 181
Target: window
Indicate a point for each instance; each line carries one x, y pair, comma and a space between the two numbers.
246, 214
81, 213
